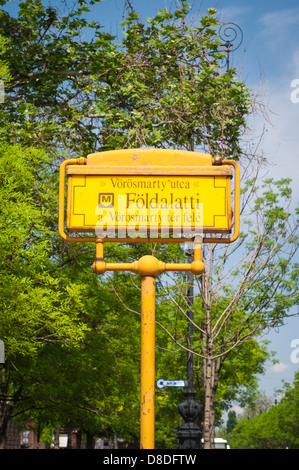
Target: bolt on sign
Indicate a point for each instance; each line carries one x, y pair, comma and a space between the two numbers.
149, 193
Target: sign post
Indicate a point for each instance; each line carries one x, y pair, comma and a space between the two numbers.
147, 385
144, 196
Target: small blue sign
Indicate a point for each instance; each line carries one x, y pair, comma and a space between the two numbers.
161, 383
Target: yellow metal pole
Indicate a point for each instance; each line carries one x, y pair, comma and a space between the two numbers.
148, 267
147, 394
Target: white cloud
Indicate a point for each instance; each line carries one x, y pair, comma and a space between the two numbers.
233, 13
281, 141
237, 409
279, 367
276, 22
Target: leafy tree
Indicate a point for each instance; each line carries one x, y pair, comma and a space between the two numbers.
232, 421
35, 310
160, 87
169, 90
260, 405
4, 80
72, 354
276, 428
246, 289
56, 76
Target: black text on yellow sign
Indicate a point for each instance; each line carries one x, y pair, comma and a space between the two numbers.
131, 206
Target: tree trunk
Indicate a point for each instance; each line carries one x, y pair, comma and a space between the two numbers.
3, 409
79, 439
69, 435
56, 438
208, 367
209, 405
89, 440
3, 437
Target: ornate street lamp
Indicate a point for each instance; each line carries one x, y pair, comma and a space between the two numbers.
232, 36
189, 434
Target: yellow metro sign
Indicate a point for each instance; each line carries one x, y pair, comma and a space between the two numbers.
140, 194
144, 205
145, 195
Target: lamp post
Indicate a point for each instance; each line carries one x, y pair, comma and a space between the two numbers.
232, 36
189, 434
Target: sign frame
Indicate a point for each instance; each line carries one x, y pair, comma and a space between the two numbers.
151, 162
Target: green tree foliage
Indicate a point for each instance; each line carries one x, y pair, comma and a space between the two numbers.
161, 86
278, 428
4, 68
54, 73
72, 351
232, 421
35, 310
246, 288
170, 91
27, 202
4, 80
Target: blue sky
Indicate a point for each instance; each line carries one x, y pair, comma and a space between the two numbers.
268, 62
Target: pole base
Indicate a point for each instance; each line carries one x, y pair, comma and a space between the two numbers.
189, 436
